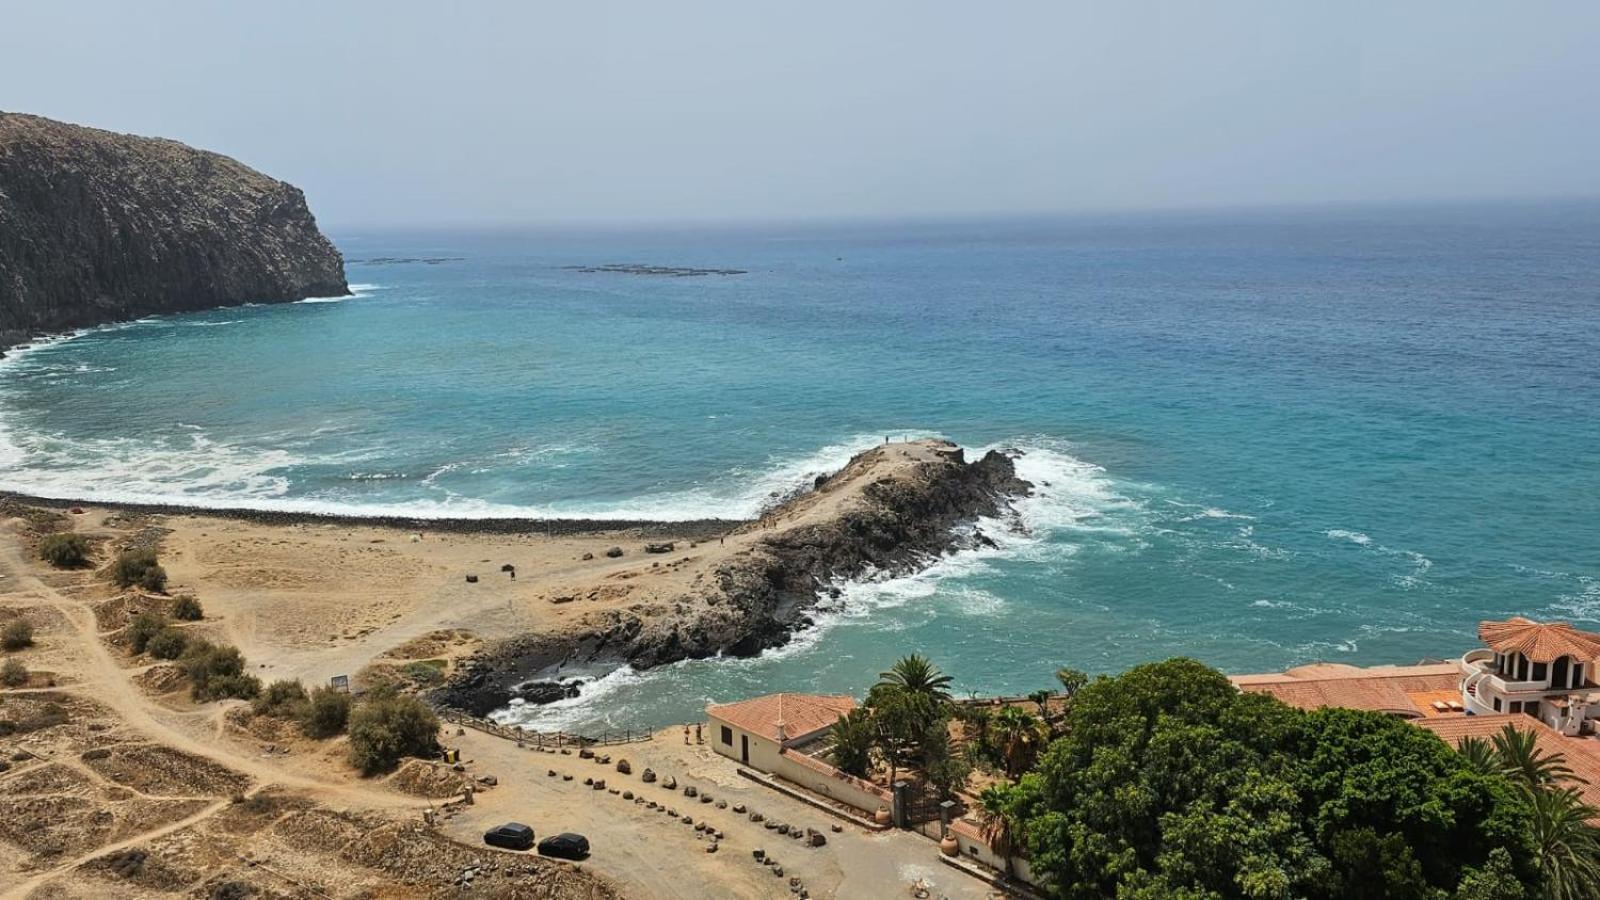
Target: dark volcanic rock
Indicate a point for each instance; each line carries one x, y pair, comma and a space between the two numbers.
98, 227
888, 519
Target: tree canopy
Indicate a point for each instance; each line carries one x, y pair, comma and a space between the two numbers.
1169, 782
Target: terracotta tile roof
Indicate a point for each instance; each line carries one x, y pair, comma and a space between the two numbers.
1539, 641
1582, 753
1382, 689
799, 714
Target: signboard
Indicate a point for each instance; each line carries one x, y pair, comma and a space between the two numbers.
340, 683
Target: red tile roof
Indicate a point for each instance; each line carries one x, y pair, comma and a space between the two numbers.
1381, 689
1582, 753
799, 714
1539, 641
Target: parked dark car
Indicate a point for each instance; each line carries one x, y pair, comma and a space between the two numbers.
511, 836
565, 846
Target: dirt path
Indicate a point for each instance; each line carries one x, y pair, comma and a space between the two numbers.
143, 714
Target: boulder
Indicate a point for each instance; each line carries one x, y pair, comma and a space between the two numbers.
669, 783
689, 790
472, 579
624, 767
658, 547
614, 552
648, 776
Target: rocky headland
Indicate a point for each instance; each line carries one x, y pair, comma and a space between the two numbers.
98, 227
891, 510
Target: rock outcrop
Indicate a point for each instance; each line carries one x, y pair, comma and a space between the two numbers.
877, 515
98, 227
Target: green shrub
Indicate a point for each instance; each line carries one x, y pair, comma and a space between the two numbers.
388, 727
325, 713
424, 673
142, 628
168, 643
217, 672
17, 635
13, 673
139, 567
64, 550
281, 699
187, 609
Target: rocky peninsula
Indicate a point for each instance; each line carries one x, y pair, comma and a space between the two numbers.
890, 511
98, 227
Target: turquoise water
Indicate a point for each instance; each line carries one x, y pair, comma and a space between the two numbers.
1268, 437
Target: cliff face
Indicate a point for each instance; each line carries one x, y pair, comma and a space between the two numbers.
98, 227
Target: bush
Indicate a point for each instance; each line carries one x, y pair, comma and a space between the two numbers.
325, 713
281, 699
13, 673
142, 628
424, 673
388, 727
168, 643
217, 672
187, 609
64, 550
17, 635
139, 567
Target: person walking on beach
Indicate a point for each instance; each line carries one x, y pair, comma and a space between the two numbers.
697, 738
686, 735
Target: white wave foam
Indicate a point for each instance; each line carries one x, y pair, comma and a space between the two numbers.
1354, 537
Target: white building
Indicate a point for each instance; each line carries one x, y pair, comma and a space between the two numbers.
757, 730
1544, 670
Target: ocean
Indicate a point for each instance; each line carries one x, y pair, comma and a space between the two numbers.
1261, 438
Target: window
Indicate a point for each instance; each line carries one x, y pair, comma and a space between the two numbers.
1516, 706
727, 735
1497, 704
1541, 671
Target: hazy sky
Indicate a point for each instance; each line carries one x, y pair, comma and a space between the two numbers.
403, 112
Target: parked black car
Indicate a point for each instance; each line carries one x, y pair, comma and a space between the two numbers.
565, 846
512, 836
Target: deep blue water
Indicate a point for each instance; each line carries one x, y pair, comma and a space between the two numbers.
1270, 437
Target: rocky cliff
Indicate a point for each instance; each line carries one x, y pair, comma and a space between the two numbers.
98, 227
892, 510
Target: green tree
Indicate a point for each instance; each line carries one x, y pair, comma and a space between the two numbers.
1522, 760
996, 818
852, 742
1017, 737
902, 720
387, 728
1071, 680
1169, 782
325, 713
1041, 699
1565, 844
1479, 755
916, 674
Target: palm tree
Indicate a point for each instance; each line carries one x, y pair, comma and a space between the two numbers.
1018, 737
1566, 846
995, 822
852, 742
1523, 762
1479, 755
1042, 698
916, 674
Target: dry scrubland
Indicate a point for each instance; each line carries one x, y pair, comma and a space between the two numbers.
145, 774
